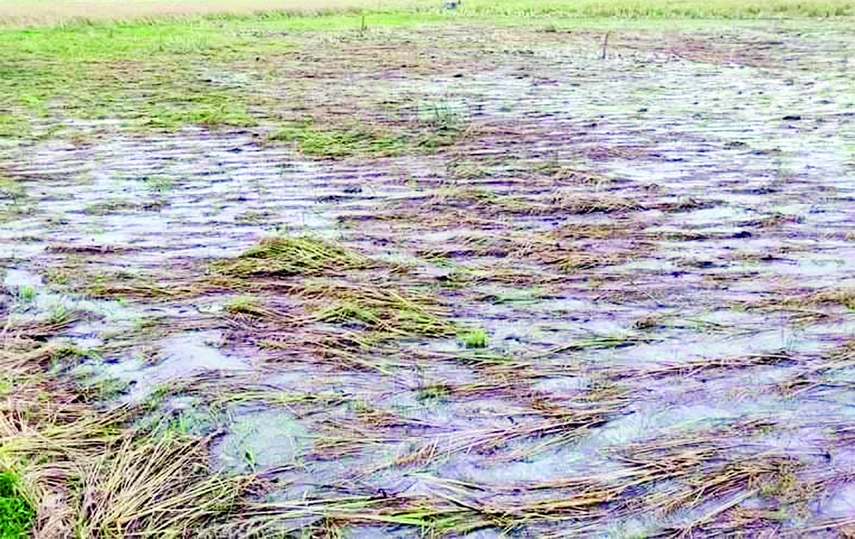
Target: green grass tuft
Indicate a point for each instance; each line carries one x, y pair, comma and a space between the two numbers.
476, 338
16, 512
27, 294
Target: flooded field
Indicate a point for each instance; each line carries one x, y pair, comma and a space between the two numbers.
465, 278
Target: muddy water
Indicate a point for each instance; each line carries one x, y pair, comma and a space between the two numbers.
740, 174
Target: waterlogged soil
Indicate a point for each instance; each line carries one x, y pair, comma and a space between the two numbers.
656, 238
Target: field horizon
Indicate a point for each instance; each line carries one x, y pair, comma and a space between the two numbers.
38, 12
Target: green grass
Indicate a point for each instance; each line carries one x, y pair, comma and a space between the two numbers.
476, 338
27, 294
350, 138
214, 109
664, 8
328, 142
146, 73
142, 74
94, 11
305, 14
16, 512
12, 125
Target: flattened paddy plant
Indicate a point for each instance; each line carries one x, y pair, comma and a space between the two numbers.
385, 310
549, 268
74, 468
283, 256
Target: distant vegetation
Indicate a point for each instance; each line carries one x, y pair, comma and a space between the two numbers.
59, 11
